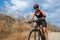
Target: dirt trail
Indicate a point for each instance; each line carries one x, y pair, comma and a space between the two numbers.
54, 35
23, 36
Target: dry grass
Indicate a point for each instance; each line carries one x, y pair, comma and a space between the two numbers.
17, 36
15, 31
12, 29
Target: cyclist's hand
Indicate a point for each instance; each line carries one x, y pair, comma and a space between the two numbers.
30, 22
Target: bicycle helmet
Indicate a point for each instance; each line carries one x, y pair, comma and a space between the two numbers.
36, 6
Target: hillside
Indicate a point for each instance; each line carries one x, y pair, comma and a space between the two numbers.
52, 27
13, 29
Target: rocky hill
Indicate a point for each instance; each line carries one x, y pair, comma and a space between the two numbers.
14, 29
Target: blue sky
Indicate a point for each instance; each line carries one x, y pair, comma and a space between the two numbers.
18, 8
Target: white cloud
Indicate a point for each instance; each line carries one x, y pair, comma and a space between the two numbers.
50, 6
54, 14
19, 4
45, 5
50, 1
16, 7
6, 4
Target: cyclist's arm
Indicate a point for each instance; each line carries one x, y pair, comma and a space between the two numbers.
43, 13
32, 17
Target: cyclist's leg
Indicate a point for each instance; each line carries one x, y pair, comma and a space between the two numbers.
45, 32
44, 25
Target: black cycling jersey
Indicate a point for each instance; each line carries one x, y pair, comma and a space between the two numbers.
38, 14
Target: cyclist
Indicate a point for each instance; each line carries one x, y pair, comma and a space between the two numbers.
40, 14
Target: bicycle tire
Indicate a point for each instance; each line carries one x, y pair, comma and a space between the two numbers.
43, 37
34, 30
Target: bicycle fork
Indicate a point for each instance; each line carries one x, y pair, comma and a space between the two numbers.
35, 35
38, 31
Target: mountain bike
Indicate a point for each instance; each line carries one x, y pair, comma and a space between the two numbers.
36, 33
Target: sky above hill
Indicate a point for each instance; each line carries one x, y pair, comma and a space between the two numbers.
17, 8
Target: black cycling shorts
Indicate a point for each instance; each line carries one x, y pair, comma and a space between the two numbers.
42, 22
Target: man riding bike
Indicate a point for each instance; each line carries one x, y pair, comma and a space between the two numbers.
40, 14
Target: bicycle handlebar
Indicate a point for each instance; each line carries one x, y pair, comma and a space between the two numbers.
34, 21
31, 21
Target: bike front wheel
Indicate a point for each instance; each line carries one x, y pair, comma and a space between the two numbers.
34, 35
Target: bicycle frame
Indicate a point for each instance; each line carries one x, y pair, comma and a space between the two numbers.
39, 29
40, 32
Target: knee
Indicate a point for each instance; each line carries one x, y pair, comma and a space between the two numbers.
45, 30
